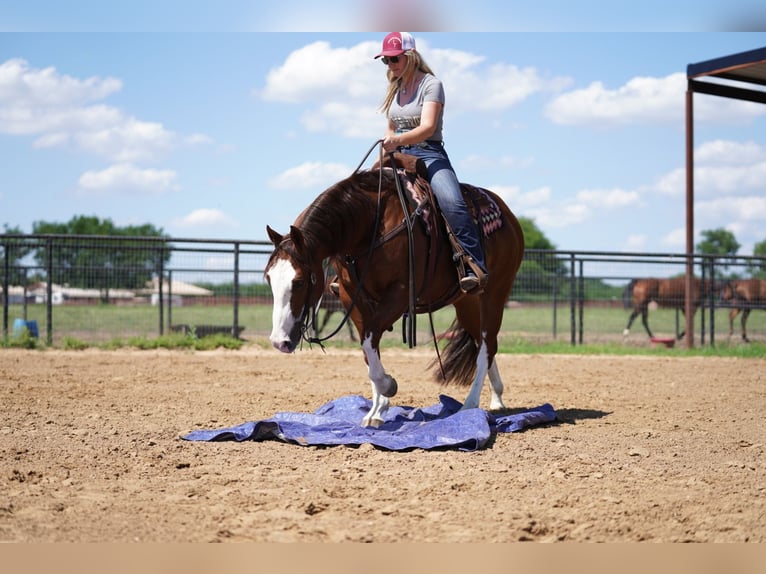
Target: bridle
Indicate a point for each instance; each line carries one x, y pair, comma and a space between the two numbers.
311, 313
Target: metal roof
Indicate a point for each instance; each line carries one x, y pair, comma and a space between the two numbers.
746, 68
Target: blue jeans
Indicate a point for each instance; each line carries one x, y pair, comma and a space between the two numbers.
446, 188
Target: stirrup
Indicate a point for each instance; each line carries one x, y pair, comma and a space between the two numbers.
473, 285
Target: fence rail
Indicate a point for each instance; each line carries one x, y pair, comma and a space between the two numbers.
100, 288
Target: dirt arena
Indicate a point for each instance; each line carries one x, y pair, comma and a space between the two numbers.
646, 449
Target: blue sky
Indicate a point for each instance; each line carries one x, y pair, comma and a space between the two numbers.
217, 134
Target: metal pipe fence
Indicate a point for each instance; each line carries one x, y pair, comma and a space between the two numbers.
103, 288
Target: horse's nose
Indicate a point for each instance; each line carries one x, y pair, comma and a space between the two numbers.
284, 346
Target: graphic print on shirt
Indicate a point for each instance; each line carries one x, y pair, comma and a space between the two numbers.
405, 123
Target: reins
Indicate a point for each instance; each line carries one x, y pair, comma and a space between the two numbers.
360, 281
410, 322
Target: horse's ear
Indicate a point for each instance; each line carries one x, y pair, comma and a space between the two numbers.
275, 237
297, 237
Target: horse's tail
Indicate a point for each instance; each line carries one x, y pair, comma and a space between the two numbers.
458, 359
627, 294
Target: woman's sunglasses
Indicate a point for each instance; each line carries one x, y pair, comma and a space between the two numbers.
390, 60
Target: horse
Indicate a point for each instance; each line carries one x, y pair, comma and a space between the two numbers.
392, 256
668, 293
744, 295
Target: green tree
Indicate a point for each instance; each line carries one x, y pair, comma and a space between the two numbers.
720, 242
114, 259
539, 271
758, 269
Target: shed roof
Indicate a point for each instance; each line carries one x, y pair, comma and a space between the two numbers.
746, 68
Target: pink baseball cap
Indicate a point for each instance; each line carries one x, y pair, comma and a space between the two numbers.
397, 43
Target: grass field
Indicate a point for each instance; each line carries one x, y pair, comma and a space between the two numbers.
524, 326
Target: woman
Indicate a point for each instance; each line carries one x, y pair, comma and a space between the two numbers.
414, 105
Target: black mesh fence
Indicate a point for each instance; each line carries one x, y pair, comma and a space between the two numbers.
97, 289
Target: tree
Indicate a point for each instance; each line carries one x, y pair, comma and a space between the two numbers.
758, 269
720, 242
538, 270
116, 259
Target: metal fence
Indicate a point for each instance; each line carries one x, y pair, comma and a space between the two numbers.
103, 288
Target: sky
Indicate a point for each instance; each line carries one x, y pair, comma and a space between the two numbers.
208, 125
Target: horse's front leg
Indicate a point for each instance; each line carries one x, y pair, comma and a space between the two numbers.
383, 384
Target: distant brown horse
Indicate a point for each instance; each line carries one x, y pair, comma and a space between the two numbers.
744, 295
363, 225
669, 293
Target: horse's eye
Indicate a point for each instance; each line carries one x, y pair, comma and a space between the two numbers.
299, 284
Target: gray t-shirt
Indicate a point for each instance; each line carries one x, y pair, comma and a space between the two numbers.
406, 117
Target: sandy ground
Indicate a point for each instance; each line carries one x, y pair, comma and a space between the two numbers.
646, 449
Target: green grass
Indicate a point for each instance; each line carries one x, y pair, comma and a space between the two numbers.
525, 329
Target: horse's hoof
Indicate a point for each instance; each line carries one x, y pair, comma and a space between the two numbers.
372, 422
495, 405
626, 332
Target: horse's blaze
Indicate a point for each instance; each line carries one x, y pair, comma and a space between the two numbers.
283, 320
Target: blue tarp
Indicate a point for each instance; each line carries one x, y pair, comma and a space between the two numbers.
338, 422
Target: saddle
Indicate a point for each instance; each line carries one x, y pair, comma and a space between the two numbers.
484, 211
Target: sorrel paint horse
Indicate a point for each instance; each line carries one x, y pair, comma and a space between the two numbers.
360, 224
744, 295
669, 293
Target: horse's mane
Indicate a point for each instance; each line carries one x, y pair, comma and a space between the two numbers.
339, 213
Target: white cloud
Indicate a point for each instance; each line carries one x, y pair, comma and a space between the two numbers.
520, 200
675, 239
126, 178
729, 152
128, 140
553, 217
318, 71
359, 121
343, 87
47, 88
501, 86
205, 217
63, 111
644, 99
734, 209
672, 183
310, 175
720, 167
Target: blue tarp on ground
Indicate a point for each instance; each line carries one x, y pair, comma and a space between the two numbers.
442, 425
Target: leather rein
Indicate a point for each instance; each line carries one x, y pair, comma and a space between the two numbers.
410, 323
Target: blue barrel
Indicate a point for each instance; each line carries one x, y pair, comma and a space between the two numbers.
20, 324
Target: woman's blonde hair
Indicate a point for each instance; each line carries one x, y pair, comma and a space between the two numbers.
415, 62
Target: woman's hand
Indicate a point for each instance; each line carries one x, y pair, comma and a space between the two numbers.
390, 143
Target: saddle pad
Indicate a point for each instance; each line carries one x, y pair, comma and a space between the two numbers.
337, 422
485, 209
